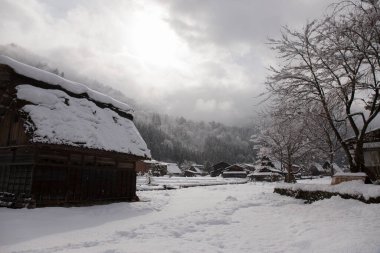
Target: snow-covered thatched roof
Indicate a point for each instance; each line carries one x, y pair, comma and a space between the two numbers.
70, 86
173, 168
57, 118
235, 166
318, 166
71, 114
258, 173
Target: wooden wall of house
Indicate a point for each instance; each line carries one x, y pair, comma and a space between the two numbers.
372, 163
57, 176
142, 167
68, 177
12, 131
16, 168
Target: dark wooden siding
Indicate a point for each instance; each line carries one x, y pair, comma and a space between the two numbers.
12, 130
72, 177
67, 177
16, 169
372, 163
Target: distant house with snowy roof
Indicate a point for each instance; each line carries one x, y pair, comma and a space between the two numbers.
235, 171
218, 168
63, 143
158, 168
265, 170
173, 170
248, 166
265, 173
316, 169
153, 167
332, 168
195, 170
371, 151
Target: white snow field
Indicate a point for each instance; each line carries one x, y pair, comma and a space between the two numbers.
223, 218
160, 183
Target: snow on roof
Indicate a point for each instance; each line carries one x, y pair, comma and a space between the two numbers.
57, 118
155, 162
235, 172
173, 168
234, 165
263, 174
150, 161
259, 168
194, 169
50, 78
337, 168
318, 167
277, 164
371, 145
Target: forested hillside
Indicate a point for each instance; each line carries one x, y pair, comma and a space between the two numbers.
178, 139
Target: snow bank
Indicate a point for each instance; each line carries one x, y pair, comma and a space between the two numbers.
355, 188
357, 174
50, 78
57, 118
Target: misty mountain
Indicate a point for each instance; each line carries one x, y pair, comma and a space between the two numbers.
179, 139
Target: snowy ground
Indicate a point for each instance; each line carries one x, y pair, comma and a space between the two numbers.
224, 218
159, 183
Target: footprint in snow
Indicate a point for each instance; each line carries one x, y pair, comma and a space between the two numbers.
230, 198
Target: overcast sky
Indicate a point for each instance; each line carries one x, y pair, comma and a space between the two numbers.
202, 59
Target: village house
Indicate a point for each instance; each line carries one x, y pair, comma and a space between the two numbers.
371, 150
173, 170
157, 168
265, 170
248, 166
266, 174
217, 169
333, 168
235, 171
143, 167
195, 170
62, 143
316, 169
153, 167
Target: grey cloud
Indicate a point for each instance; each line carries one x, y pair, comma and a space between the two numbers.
249, 21
223, 68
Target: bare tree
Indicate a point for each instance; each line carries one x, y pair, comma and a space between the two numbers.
335, 63
286, 141
320, 134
